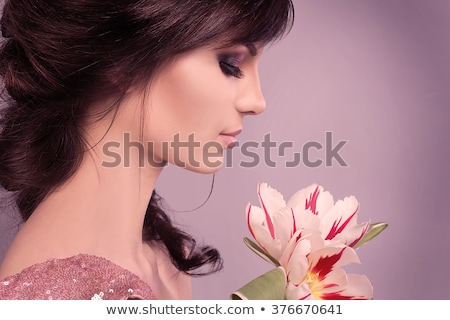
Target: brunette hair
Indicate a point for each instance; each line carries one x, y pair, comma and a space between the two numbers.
60, 56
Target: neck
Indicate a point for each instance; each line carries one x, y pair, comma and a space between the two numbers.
100, 210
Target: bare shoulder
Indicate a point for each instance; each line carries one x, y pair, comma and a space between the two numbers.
32, 245
16, 260
20, 258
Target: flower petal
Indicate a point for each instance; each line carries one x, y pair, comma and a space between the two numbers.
341, 216
335, 281
311, 235
257, 224
298, 292
305, 219
354, 234
312, 198
271, 201
298, 262
358, 287
284, 224
324, 260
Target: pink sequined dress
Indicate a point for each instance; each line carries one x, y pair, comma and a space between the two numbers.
80, 277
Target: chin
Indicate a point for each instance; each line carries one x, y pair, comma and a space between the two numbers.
201, 162
211, 166
205, 169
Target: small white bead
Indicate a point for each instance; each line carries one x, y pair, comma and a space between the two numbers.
96, 297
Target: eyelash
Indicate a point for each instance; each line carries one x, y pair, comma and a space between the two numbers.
227, 64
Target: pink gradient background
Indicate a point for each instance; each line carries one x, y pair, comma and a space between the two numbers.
377, 74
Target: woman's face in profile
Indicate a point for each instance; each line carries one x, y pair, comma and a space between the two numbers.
196, 105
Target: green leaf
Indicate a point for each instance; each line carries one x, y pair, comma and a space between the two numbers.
261, 252
374, 230
269, 286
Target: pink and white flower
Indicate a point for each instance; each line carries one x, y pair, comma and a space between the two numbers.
277, 225
311, 237
338, 220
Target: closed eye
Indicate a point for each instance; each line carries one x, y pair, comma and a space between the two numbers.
231, 70
229, 63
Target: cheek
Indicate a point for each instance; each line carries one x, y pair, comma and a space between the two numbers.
193, 97
198, 88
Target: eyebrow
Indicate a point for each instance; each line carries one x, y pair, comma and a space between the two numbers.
252, 49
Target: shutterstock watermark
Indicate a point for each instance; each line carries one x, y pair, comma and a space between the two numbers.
251, 154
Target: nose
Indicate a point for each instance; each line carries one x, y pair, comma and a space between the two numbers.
250, 98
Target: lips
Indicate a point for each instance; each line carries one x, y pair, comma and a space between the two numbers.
229, 138
232, 134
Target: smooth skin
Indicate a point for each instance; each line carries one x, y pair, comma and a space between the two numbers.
100, 210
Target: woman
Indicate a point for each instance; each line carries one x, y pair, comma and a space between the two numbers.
102, 96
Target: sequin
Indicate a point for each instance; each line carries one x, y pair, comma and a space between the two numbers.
75, 278
96, 297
